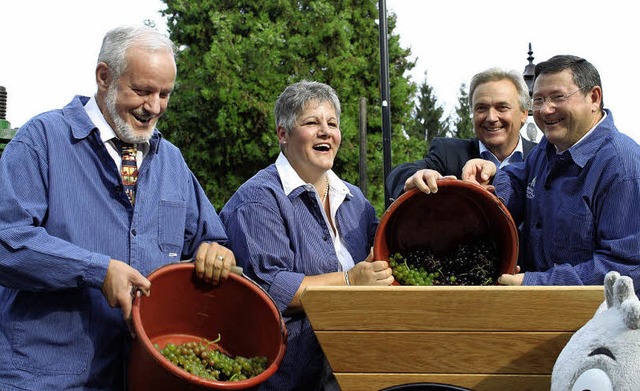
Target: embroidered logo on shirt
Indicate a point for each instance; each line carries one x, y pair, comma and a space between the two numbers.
530, 186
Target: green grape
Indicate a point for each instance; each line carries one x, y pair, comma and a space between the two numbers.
472, 263
205, 360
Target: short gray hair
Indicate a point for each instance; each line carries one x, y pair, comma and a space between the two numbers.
497, 74
118, 40
293, 100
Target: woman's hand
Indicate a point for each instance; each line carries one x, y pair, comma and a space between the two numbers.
371, 273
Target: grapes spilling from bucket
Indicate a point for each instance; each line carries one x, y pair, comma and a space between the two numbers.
474, 263
204, 359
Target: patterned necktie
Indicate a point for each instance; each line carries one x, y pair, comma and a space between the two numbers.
129, 169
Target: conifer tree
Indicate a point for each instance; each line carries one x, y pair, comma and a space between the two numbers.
237, 56
463, 123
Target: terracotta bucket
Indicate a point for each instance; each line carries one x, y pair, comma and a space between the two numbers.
183, 308
439, 222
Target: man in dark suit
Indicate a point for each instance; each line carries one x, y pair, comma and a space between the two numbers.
499, 101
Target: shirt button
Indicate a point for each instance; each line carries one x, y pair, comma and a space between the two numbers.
118, 188
325, 238
538, 224
133, 232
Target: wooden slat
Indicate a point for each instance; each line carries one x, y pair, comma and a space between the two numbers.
483, 338
476, 382
460, 308
443, 352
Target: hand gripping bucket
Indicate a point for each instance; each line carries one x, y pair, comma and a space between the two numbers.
183, 308
441, 221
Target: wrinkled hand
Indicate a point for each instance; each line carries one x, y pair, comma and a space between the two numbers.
478, 171
425, 180
512, 279
213, 262
120, 286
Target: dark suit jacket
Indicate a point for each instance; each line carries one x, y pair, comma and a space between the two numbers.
446, 155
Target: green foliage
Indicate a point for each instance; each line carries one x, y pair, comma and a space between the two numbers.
236, 57
463, 124
428, 122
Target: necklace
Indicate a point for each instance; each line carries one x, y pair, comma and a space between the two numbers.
326, 192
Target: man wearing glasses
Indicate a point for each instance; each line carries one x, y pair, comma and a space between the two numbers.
577, 193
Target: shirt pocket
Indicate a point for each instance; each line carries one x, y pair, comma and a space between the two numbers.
171, 225
573, 234
59, 348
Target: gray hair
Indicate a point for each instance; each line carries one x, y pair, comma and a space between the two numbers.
497, 74
293, 100
118, 40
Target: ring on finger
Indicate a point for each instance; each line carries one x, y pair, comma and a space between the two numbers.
220, 258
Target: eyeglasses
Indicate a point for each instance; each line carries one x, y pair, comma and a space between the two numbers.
552, 101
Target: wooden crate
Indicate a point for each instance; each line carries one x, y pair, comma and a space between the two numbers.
483, 338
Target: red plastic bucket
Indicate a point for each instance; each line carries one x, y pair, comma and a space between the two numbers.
183, 308
441, 221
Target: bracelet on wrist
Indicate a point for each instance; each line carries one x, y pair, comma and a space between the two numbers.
346, 278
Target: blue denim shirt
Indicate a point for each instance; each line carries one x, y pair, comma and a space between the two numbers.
63, 216
280, 239
580, 209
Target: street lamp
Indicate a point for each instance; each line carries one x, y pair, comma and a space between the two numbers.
529, 72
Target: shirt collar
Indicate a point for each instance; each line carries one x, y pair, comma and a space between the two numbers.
106, 131
515, 157
291, 180
585, 135
94, 113
585, 148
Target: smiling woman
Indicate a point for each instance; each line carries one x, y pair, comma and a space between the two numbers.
297, 224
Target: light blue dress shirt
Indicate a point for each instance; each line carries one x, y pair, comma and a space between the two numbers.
517, 155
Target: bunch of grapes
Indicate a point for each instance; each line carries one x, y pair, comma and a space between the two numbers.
204, 359
473, 263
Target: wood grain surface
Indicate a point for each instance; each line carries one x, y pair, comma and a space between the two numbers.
483, 338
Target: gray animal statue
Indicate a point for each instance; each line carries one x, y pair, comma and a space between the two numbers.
604, 354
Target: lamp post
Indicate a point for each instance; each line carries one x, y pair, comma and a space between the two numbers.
528, 75
385, 96
529, 72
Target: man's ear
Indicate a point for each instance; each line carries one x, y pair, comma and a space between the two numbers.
523, 118
596, 97
103, 75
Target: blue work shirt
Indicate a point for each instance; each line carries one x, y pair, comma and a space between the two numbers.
580, 208
63, 216
279, 239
